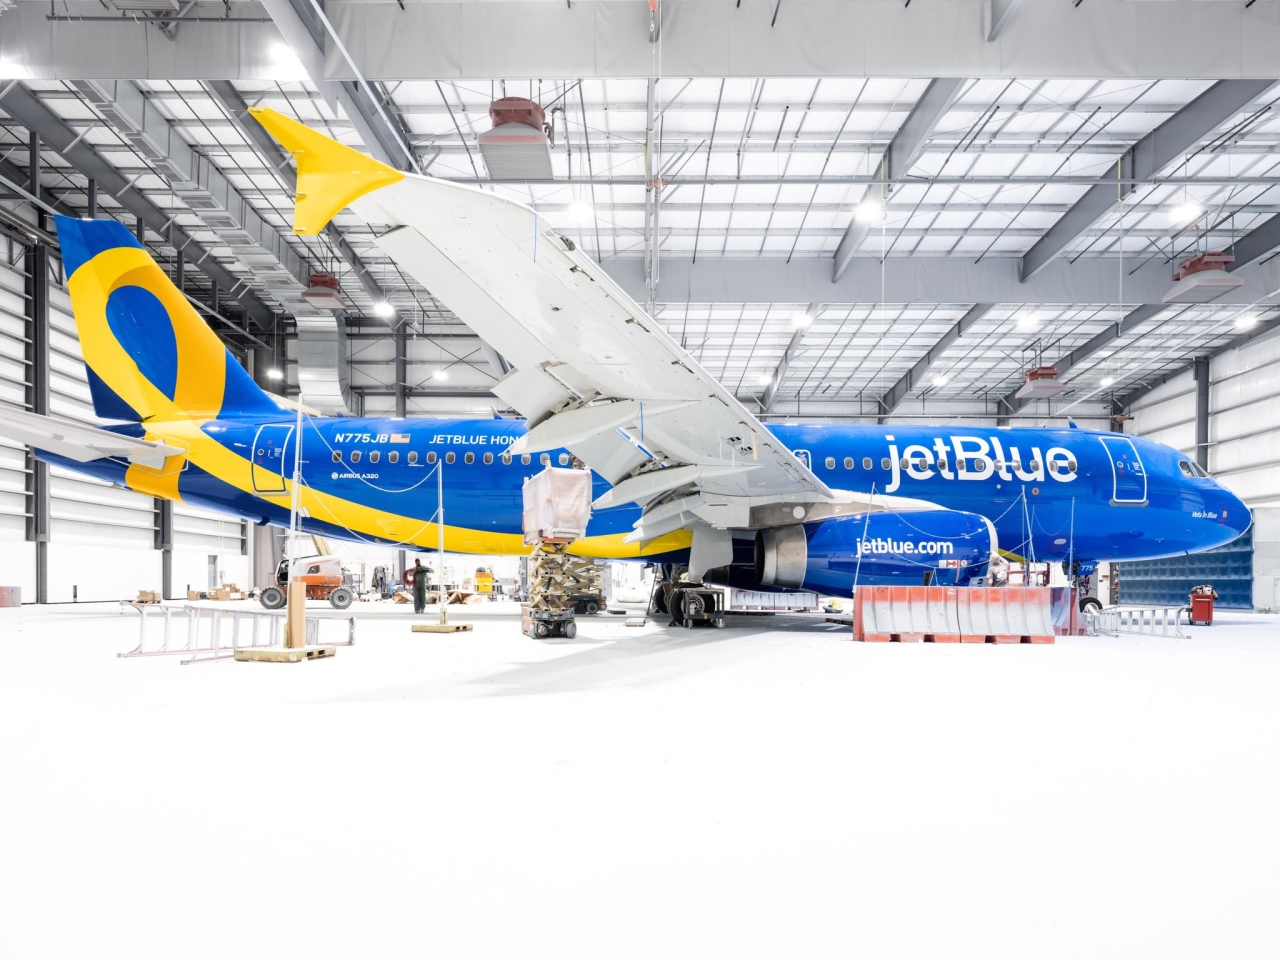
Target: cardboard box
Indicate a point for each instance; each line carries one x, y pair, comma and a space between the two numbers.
148, 596
194, 595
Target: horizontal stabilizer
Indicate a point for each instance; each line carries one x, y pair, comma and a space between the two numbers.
80, 442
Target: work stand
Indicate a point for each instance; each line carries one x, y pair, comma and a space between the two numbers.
552, 583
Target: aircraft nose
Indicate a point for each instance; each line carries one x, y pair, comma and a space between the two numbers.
1233, 512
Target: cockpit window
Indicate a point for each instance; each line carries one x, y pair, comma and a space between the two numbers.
1185, 467
1200, 471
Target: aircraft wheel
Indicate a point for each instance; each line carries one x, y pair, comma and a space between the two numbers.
272, 598
341, 598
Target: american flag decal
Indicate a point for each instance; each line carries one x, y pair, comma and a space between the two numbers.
399, 438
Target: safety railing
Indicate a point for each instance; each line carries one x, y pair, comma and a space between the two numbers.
1148, 621
202, 632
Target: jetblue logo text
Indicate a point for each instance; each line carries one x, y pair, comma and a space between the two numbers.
974, 458
883, 545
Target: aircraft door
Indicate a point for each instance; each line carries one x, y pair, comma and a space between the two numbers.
1128, 476
805, 457
269, 468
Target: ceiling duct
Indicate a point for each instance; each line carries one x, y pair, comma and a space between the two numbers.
1040, 382
324, 292
518, 147
1202, 279
323, 368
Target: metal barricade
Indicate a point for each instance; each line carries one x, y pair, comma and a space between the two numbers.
201, 631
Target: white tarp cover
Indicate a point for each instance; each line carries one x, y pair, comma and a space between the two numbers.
557, 504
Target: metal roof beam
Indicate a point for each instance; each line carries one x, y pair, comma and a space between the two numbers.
898, 392
903, 151
456, 39
1166, 144
793, 347
920, 280
20, 103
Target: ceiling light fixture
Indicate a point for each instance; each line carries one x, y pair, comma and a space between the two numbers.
801, 319
1108, 381
441, 374
1185, 213
765, 380
384, 309
870, 210
1245, 321
274, 374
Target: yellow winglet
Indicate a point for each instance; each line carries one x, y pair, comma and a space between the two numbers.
330, 175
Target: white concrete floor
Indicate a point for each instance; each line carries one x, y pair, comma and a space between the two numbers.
759, 791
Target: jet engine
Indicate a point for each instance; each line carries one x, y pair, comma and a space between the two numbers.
942, 547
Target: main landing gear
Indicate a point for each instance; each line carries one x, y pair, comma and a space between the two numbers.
686, 603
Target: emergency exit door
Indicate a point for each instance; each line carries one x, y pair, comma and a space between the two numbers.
1128, 477
270, 464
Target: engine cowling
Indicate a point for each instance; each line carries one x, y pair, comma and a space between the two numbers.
828, 556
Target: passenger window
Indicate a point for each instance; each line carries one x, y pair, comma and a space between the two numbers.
449, 457
545, 459
979, 463
469, 458
564, 459
393, 456
488, 458
506, 459
831, 463
337, 456
866, 463
524, 458
413, 457
885, 463
355, 456
904, 463
1071, 465
374, 456
848, 463
431, 456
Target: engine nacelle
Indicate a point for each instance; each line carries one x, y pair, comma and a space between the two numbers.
828, 556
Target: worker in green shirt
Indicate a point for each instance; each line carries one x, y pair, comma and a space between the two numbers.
419, 586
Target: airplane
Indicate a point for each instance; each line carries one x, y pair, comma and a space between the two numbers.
683, 475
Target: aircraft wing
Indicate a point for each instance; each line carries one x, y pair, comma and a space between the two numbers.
80, 442
593, 372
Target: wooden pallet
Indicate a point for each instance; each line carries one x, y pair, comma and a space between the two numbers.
441, 627
284, 654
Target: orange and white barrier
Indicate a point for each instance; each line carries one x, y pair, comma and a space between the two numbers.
953, 614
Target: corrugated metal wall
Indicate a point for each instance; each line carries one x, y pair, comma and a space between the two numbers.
1244, 420
1168, 414
102, 543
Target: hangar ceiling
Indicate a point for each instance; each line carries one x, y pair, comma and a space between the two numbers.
837, 246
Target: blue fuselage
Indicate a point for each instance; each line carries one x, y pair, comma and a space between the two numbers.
1051, 494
